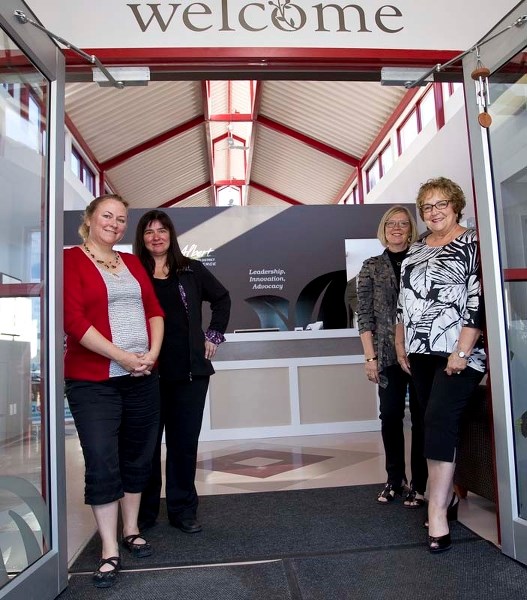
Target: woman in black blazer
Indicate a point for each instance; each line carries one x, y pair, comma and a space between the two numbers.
182, 285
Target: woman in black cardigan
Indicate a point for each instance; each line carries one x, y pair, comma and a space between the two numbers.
182, 285
377, 292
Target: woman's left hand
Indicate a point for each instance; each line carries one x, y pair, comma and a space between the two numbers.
455, 364
147, 364
210, 349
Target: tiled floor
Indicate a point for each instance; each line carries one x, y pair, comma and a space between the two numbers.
273, 464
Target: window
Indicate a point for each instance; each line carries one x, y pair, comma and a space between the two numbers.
386, 159
407, 132
373, 175
23, 116
450, 88
82, 170
427, 108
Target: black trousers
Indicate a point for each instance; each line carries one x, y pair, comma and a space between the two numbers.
117, 421
182, 404
443, 399
392, 405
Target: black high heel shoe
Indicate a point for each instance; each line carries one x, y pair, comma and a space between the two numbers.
439, 544
451, 511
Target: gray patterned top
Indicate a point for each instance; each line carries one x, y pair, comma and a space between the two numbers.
127, 315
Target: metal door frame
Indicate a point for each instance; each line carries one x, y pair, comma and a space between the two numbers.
48, 576
493, 55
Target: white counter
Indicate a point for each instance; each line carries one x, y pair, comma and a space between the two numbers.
287, 383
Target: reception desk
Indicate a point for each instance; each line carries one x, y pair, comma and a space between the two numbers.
287, 383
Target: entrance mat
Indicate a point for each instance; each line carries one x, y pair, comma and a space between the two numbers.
469, 571
285, 524
265, 581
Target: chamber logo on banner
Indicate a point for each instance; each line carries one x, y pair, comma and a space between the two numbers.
277, 15
207, 257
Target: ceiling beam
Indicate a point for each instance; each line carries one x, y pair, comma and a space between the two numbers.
186, 195
274, 193
151, 143
304, 139
257, 99
231, 118
205, 102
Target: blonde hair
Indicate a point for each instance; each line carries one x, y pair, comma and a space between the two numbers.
381, 231
84, 230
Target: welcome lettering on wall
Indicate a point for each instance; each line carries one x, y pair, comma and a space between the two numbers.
256, 17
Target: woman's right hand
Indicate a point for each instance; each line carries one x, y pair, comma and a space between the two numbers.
133, 363
402, 359
372, 371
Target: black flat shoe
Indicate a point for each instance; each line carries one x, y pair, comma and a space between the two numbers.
105, 579
189, 525
439, 544
137, 550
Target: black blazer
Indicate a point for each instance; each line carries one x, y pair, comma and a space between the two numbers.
182, 354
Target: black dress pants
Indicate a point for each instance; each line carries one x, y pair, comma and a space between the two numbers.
117, 422
392, 399
443, 399
182, 404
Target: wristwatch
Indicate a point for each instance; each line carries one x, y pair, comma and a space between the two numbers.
462, 354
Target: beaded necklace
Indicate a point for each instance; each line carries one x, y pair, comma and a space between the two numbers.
112, 264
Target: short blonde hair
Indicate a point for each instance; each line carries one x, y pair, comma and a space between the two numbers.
381, 231
84, 230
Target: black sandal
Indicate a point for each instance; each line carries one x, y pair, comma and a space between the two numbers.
137, 550
412, 501
389, 492
105, 579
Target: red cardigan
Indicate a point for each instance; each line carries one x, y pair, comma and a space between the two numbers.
86, 305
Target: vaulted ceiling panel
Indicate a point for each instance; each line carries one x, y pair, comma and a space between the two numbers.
165, 172
112, 120
296, 170
257, 197
345, 115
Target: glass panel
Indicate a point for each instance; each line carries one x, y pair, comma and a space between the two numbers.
408, 131
427, 108
508, 141
24, 509
373, 175
387, 159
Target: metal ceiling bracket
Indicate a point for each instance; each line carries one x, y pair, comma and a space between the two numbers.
92, 59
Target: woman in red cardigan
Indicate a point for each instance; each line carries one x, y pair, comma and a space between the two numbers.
114, 329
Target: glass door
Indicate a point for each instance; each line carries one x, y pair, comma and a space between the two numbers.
499, 155
32, 540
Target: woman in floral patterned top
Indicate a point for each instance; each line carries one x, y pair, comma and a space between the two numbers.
438, 337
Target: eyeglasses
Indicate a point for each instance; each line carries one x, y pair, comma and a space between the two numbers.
400, 224
441, 205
